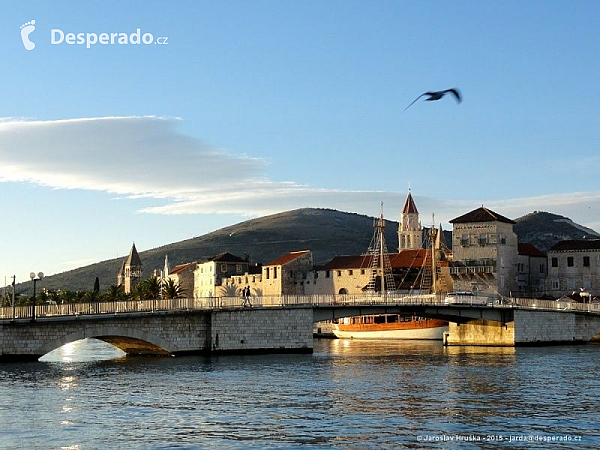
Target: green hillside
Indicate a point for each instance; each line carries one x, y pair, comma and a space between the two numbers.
327, 233
544, 229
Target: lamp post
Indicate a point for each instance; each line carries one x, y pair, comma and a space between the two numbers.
35, 278
13, 296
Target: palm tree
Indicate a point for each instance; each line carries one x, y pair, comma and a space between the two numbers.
91, 296
171, 289
114, 293
148, 289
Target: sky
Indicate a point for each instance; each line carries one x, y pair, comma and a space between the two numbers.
219, 112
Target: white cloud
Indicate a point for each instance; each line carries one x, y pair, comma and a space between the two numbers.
125, 155
146, 157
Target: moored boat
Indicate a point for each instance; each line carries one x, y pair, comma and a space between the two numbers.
389, 326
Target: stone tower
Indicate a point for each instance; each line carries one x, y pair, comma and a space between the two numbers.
131, 271
410, 232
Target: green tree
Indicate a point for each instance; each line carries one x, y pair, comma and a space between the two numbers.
171, 289
148, 289
114, 294
91, 296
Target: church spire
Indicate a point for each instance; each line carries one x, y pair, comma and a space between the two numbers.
131, 270
409, 205
410, 232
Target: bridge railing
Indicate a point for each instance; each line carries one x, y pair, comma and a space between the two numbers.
144, 306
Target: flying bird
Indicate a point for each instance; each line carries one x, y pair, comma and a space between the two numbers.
436, 96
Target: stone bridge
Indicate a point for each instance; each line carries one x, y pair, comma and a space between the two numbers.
280, 324
253, 330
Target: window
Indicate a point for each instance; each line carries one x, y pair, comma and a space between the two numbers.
554, 262
555, 284
267, 270
464, 240
274, 272
542, 268
239, 268
350, 272
482, 239
586, 261
339, 273
327, 274
362, 271
223, 267
570, 262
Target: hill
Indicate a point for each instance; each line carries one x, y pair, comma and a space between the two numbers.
327, 233
544, 229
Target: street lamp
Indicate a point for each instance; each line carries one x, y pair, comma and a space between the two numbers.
34, 278
14, 281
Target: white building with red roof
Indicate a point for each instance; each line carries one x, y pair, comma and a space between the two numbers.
286, 274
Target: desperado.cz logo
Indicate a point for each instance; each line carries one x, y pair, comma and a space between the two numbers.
58, 36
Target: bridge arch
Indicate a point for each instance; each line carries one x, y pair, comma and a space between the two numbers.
131, 340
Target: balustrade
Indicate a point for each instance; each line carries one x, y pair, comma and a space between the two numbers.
208, 303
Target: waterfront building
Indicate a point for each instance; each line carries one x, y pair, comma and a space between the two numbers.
353, 274
234, 285
574, 267
130, 272
288, 274
210, 274
484, 249
410, 231
182, 275
531, 271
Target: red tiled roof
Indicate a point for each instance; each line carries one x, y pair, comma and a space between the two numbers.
405, 259
530, 250
180, 268
287, 258
580, 244
482, 215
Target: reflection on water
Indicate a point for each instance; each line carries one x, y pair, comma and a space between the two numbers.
82, 351
348, 394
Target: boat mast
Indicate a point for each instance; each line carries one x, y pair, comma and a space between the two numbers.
381, 227
433, 244
379, 260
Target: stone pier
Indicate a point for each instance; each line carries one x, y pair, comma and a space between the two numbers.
527, 327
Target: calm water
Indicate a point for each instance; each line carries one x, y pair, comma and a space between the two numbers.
348, 394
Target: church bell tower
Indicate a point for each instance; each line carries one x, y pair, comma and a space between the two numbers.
410, 232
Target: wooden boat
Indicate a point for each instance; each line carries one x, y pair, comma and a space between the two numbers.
389, 326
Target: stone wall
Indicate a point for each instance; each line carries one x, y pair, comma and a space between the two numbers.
234, 331
528, 328
481, 332
254, 330
545, 326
